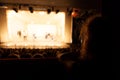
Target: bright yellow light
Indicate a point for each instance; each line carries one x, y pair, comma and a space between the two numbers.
41, 31
42, 13
36, 27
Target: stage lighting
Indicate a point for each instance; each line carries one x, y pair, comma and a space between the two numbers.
31, 9
48, 11
57, 11
15, 9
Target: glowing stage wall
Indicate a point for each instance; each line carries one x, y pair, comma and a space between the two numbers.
37, 26
3, 26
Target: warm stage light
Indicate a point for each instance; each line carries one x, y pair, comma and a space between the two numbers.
74, 14
42, 12
38, 29
35, 26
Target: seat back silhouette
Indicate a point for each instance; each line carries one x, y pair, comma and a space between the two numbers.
13, 55
37, 55
26, 55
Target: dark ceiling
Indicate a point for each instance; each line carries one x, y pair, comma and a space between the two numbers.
83, 4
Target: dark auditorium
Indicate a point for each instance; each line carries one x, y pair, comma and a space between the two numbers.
51, 40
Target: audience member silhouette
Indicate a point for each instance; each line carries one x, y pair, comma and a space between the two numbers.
90, 64
91, 35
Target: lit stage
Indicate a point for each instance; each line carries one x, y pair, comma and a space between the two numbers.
34, 45
35, 30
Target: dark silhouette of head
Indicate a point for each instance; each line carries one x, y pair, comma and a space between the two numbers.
95, 37
91, 35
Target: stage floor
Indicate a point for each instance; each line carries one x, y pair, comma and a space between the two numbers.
40, 45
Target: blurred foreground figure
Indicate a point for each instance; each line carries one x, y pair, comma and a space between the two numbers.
90, 65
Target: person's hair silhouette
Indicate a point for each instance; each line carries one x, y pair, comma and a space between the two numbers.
91, 35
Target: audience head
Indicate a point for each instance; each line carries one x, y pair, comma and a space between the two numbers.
91, 35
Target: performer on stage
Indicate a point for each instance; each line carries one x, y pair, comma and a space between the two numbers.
48, 36
34, 36
24, 35
25, 38
19, 33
